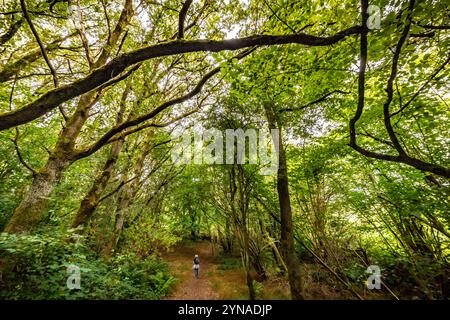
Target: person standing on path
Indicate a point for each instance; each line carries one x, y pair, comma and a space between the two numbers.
196, 266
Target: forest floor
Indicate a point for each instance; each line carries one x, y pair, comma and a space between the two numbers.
180, 261
221, 277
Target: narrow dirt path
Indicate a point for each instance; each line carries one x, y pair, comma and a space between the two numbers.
180, 261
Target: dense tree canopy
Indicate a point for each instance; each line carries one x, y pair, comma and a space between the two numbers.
94, 96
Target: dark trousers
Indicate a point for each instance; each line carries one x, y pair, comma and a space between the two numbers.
196, 272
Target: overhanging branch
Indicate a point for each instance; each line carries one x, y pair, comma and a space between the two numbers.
319, 100
182, 18
41, 45
19, 154
99, 76
402, 156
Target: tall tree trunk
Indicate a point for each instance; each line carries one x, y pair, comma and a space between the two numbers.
127, 195
29, 212
92, 198
192, 216
275, 252
228, 241
246, 254
32, 207
121, 212
241, 223
287, 237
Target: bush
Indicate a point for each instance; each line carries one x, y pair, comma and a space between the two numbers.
228, 263
34, 267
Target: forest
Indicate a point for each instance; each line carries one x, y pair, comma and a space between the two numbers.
300, 148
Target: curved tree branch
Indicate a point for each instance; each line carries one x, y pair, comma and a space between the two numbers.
319, 100
390, 84
19, 154
106, 138
41, 45
15, 26
182, 18
433, 27
134, 122
361, 74
10, 69
416, 94
402, 156
97, 77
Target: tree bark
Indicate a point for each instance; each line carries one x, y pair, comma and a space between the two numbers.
126, 196
122, 208
9, 70
275, 252
287, 237
92, 198
32, 207
53, 98
29, 213
240, 218
15, 26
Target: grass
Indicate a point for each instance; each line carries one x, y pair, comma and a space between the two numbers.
227, 278
232, 289
235, 288
228, 263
